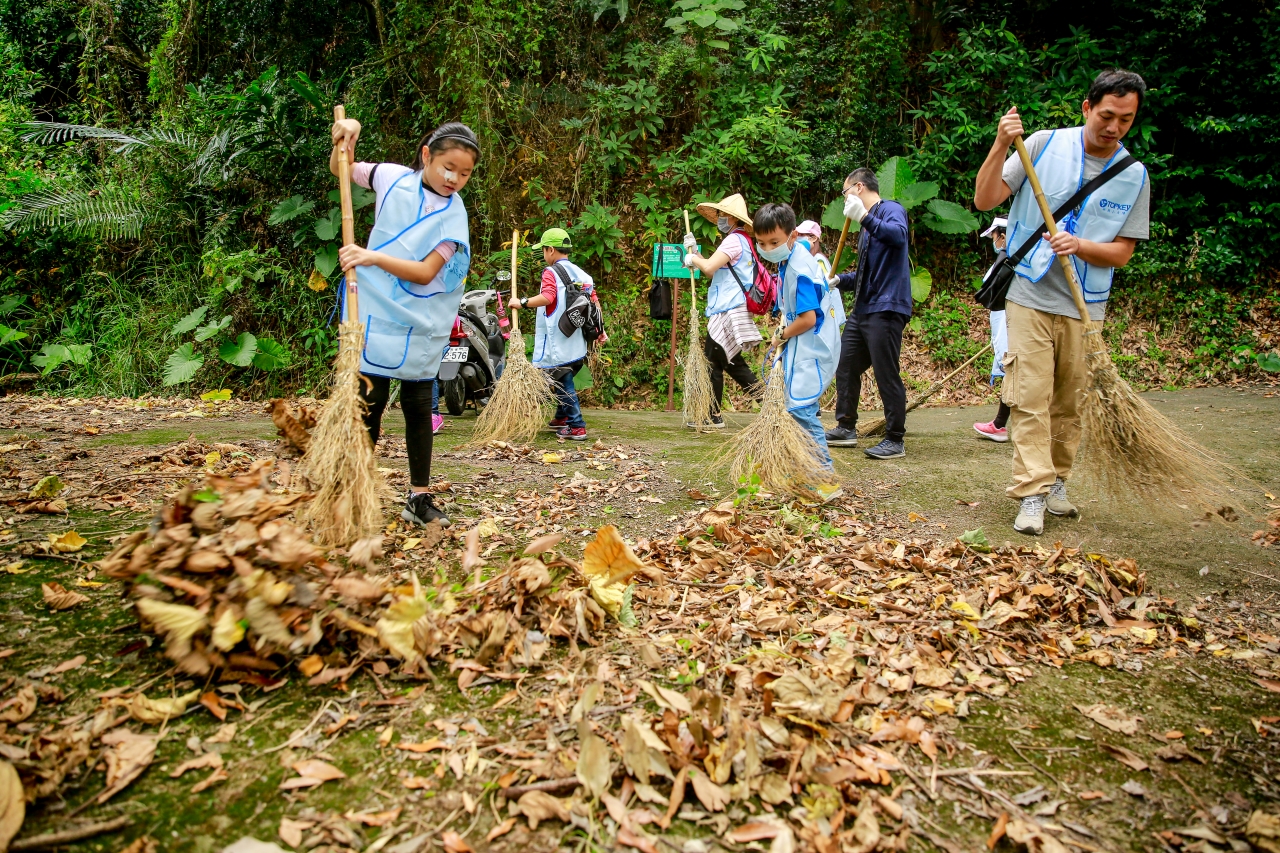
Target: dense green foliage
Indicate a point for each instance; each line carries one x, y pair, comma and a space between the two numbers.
190, 238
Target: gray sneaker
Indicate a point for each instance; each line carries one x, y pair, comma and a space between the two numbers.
886, 450
1030, 518
1058, 503
842, 437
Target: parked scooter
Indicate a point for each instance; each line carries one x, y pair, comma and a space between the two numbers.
476, 355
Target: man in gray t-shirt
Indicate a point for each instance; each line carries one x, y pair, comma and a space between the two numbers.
1045, 371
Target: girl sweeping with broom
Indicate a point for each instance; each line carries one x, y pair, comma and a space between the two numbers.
411, 277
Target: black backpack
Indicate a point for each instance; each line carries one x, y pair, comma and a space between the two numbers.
581, 313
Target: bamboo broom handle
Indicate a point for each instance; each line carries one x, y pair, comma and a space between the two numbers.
844, 232
348, 219
693, 287
515, 268
1077, 293
877, 426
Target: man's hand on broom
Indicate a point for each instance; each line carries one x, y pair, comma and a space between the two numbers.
1009, 128
1063, 243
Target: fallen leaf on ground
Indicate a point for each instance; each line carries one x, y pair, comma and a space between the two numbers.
594, 768
1034, 837
68, 665
713, 797
538, 806
1127, 757
1263, 831
543, 544
501, 829
1111, 717
374, 818
58, 597
608, 564
48, 487
291, 830
224, 734
1134, 788
209, 759
67, 543
156, 711
253, 845
20, 707
455, 843
128, 754
13, 804
756, 830
312, 772
628, 838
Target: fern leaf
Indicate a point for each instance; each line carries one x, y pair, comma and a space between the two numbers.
54, 132
92, 213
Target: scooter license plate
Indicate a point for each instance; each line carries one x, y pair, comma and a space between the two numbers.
455, 354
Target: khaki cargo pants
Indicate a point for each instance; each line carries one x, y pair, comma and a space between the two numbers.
1044, 381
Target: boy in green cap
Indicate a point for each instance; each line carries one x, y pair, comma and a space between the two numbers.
560, 354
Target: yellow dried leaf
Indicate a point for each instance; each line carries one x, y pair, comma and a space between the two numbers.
58, 597
67, 543
964, 609
395, 628
316, 282
552, 458
177, 622
608, 563
228, 629
153, 712
13, 804
47, 488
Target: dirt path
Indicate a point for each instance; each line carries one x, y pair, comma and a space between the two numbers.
643, 472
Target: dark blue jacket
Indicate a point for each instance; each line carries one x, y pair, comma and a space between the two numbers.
883, 266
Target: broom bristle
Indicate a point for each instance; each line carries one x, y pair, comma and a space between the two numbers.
775, 448
1129, 451
698, 396
340, 462
516, 410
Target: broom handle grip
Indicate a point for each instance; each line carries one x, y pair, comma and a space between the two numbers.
1068, 268
348, 219
693, 288
844, 233
515, 268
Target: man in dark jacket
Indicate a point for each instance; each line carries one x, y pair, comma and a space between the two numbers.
873, 334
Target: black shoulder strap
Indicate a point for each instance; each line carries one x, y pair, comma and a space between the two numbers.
562, 275
1073, 202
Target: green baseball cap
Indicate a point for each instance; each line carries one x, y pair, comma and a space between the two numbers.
556, 238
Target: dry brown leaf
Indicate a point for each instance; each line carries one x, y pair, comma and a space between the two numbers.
310, 665
128, 754
756, 830
666, 698
543, 544
145, 844
813, 700
20, 707
455, 843
177, 622
608, 564
358, 587
219, 774
365, 551
200, 762
291, 830
68, 665
501, 829
224, 734
594, 769
866, 829
374, 818
1111, 717
713, 797
1033, 837
58, 597
154, 712
630, 838
1127, 757
317, 769
13, 804
471, 557
538, 806
1263, 831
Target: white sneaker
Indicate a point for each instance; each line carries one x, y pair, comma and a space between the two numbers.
1030, 518
1057, 503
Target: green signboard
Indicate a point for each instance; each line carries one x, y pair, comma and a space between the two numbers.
667, 259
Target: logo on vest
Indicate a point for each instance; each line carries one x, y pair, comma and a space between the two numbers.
1106, 204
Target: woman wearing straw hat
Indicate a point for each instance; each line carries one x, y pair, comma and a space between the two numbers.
729, 326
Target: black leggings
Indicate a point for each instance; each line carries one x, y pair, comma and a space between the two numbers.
415, 399
719, 365
1002, 416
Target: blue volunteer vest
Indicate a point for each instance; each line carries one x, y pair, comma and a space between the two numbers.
551, 348
406, 325
824, 267
724, 294
808, 360
1060, 168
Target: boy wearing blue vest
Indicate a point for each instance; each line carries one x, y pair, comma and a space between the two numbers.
1044, 367
810, 342
560, 355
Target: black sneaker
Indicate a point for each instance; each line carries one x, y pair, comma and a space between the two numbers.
420, 509
886, 450
842, 437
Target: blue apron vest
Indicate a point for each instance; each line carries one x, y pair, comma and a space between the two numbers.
406, 325
824, 267
1060, 168
551, 348
724, 294
808, 360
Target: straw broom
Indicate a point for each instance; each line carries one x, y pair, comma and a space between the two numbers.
774, 447
340, 461
698, 396
1130, 449
515, 411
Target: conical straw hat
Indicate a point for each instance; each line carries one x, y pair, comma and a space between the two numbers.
733, 205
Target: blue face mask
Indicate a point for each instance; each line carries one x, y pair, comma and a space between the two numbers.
778, 255
722, 224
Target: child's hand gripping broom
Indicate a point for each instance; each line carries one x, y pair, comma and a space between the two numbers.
515, 410
1129, 448
698, 396
340, 461
774, 447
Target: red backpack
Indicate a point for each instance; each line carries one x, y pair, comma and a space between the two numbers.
764, 284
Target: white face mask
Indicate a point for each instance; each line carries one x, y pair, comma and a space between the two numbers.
778, 255
722, 224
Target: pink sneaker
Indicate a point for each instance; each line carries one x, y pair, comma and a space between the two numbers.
989, 431
437, 421
573, 433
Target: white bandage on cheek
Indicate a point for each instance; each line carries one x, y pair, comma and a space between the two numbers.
448, 175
